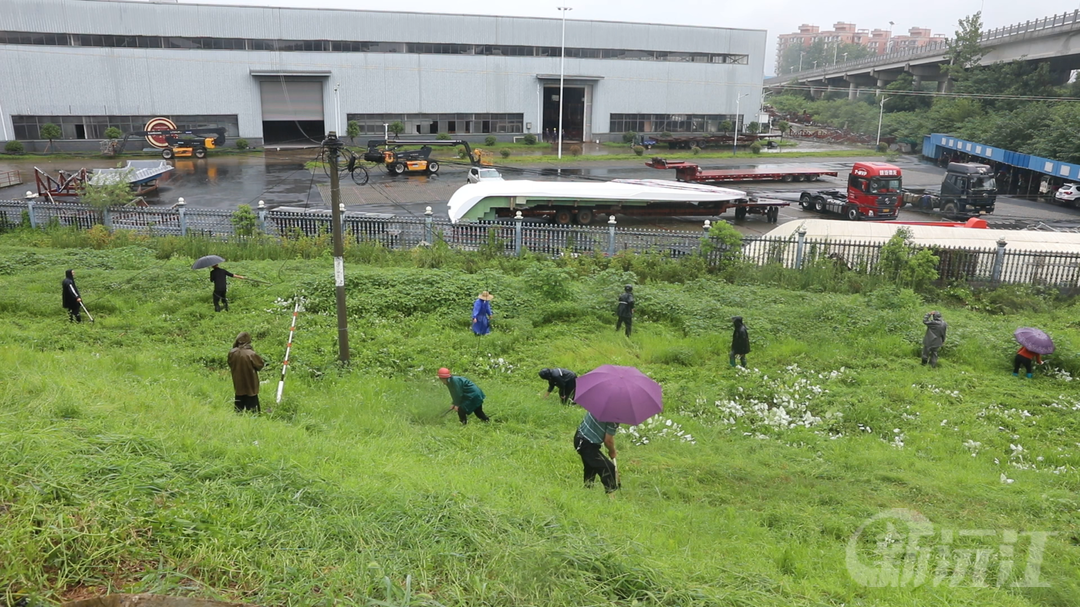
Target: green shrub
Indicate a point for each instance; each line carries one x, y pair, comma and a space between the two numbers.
14, 147
352, 129
113, 133
629, 137
639, 150
666, 134
755, 148
245, 222
883, 147
695, 150
505, 153
241, 144
490, 140
529, 139
442, 137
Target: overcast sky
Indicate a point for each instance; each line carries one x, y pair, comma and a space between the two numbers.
776, 16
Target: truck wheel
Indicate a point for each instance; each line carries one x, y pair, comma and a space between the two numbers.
852, 213
949, 210
773, 214
806, 202
397, 168
819, 204
433, 167
813, 178
585, 216
563, 217
167, 154
740, 213
787, 178
200, 152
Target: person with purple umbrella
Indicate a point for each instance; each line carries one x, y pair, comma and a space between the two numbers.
590, 436
1033, 345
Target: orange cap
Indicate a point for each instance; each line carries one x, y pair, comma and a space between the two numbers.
444, 373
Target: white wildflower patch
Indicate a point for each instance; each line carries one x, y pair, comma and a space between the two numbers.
898, 438
932, 389
972, 446
766, 405
658, 427
1058, 373
499, 364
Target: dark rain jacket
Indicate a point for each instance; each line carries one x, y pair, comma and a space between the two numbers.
245, 364
740, 339
626, 305
217, 276
557, 377
70, 292
935, 331
465, 395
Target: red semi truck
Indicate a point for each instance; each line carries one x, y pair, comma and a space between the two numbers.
873, 192
692, 173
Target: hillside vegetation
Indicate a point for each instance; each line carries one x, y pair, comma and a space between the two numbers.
124, 468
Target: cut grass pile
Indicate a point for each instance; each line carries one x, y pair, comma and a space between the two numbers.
124, 468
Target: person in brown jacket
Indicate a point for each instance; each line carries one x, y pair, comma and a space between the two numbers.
245, 364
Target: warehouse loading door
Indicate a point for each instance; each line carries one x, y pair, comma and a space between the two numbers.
573, 113
292, 111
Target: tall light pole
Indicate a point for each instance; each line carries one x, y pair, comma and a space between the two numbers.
881, 114
562, 65
337, 109
888, 41
801, 53
735, 145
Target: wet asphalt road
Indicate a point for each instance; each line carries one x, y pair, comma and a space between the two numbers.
280, 179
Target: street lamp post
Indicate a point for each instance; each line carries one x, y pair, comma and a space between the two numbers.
801, 53
562, 64
835, 48
337, 108
738, 114
881, 113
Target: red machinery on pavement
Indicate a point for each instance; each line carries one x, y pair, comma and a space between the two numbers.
873, 192
689, 172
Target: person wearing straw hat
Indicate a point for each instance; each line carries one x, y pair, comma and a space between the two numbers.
481, 314
465, 396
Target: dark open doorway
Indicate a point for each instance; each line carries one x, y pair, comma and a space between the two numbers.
292, 131
573, 119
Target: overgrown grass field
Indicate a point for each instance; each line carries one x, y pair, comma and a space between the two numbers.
124, 468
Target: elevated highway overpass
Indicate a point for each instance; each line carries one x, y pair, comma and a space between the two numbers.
1055, 38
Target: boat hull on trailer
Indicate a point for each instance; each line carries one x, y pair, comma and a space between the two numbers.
489, 200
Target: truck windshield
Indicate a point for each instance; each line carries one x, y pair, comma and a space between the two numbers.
885, 185
983, 183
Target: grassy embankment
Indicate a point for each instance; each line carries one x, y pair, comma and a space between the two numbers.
123, 467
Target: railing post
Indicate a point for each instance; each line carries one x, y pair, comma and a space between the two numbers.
262, 217
429, 230
611, 235
30, 208
799, 247
180, 205
999, 261
518, 218
108, 218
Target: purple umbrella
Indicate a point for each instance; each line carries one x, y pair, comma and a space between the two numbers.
622, 395
1033, 339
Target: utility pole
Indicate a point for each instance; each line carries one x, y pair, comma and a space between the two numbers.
738, 114
333, 147
881, 114
562, 63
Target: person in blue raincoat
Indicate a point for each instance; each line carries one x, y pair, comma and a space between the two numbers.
481, 314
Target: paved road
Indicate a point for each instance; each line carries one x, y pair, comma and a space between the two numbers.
280, 179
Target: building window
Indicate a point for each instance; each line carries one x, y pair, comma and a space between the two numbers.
93, 127
428, 124
672, 123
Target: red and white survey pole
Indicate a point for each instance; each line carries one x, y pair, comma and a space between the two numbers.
288, 350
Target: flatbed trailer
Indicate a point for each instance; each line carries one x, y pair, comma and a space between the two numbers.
584, 213
692, 173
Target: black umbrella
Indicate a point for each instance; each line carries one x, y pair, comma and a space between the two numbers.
206, 262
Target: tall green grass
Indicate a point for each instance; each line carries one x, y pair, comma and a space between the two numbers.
124, 468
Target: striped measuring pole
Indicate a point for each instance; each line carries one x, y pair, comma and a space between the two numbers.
288, 350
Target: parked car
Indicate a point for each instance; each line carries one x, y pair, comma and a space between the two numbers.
478, 174
1068, 193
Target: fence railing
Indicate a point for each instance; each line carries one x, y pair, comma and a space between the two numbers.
10, 178
937, 48
994, 265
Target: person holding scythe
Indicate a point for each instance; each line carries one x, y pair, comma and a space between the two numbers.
218, 277
465, 396
72, 301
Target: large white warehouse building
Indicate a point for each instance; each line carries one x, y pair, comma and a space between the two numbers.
287, 75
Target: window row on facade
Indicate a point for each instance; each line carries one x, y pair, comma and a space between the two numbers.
93, 127
433, 124
347, 46
672, 123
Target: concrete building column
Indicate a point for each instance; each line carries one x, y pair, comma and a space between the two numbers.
852, 91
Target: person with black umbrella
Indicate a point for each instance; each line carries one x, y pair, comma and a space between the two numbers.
218, 277
72, 301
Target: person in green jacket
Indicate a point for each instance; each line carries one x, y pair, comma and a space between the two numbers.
465, 396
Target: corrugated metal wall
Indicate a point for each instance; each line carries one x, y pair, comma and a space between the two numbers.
82, 80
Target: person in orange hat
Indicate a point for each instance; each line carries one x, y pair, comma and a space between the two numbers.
465, 396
